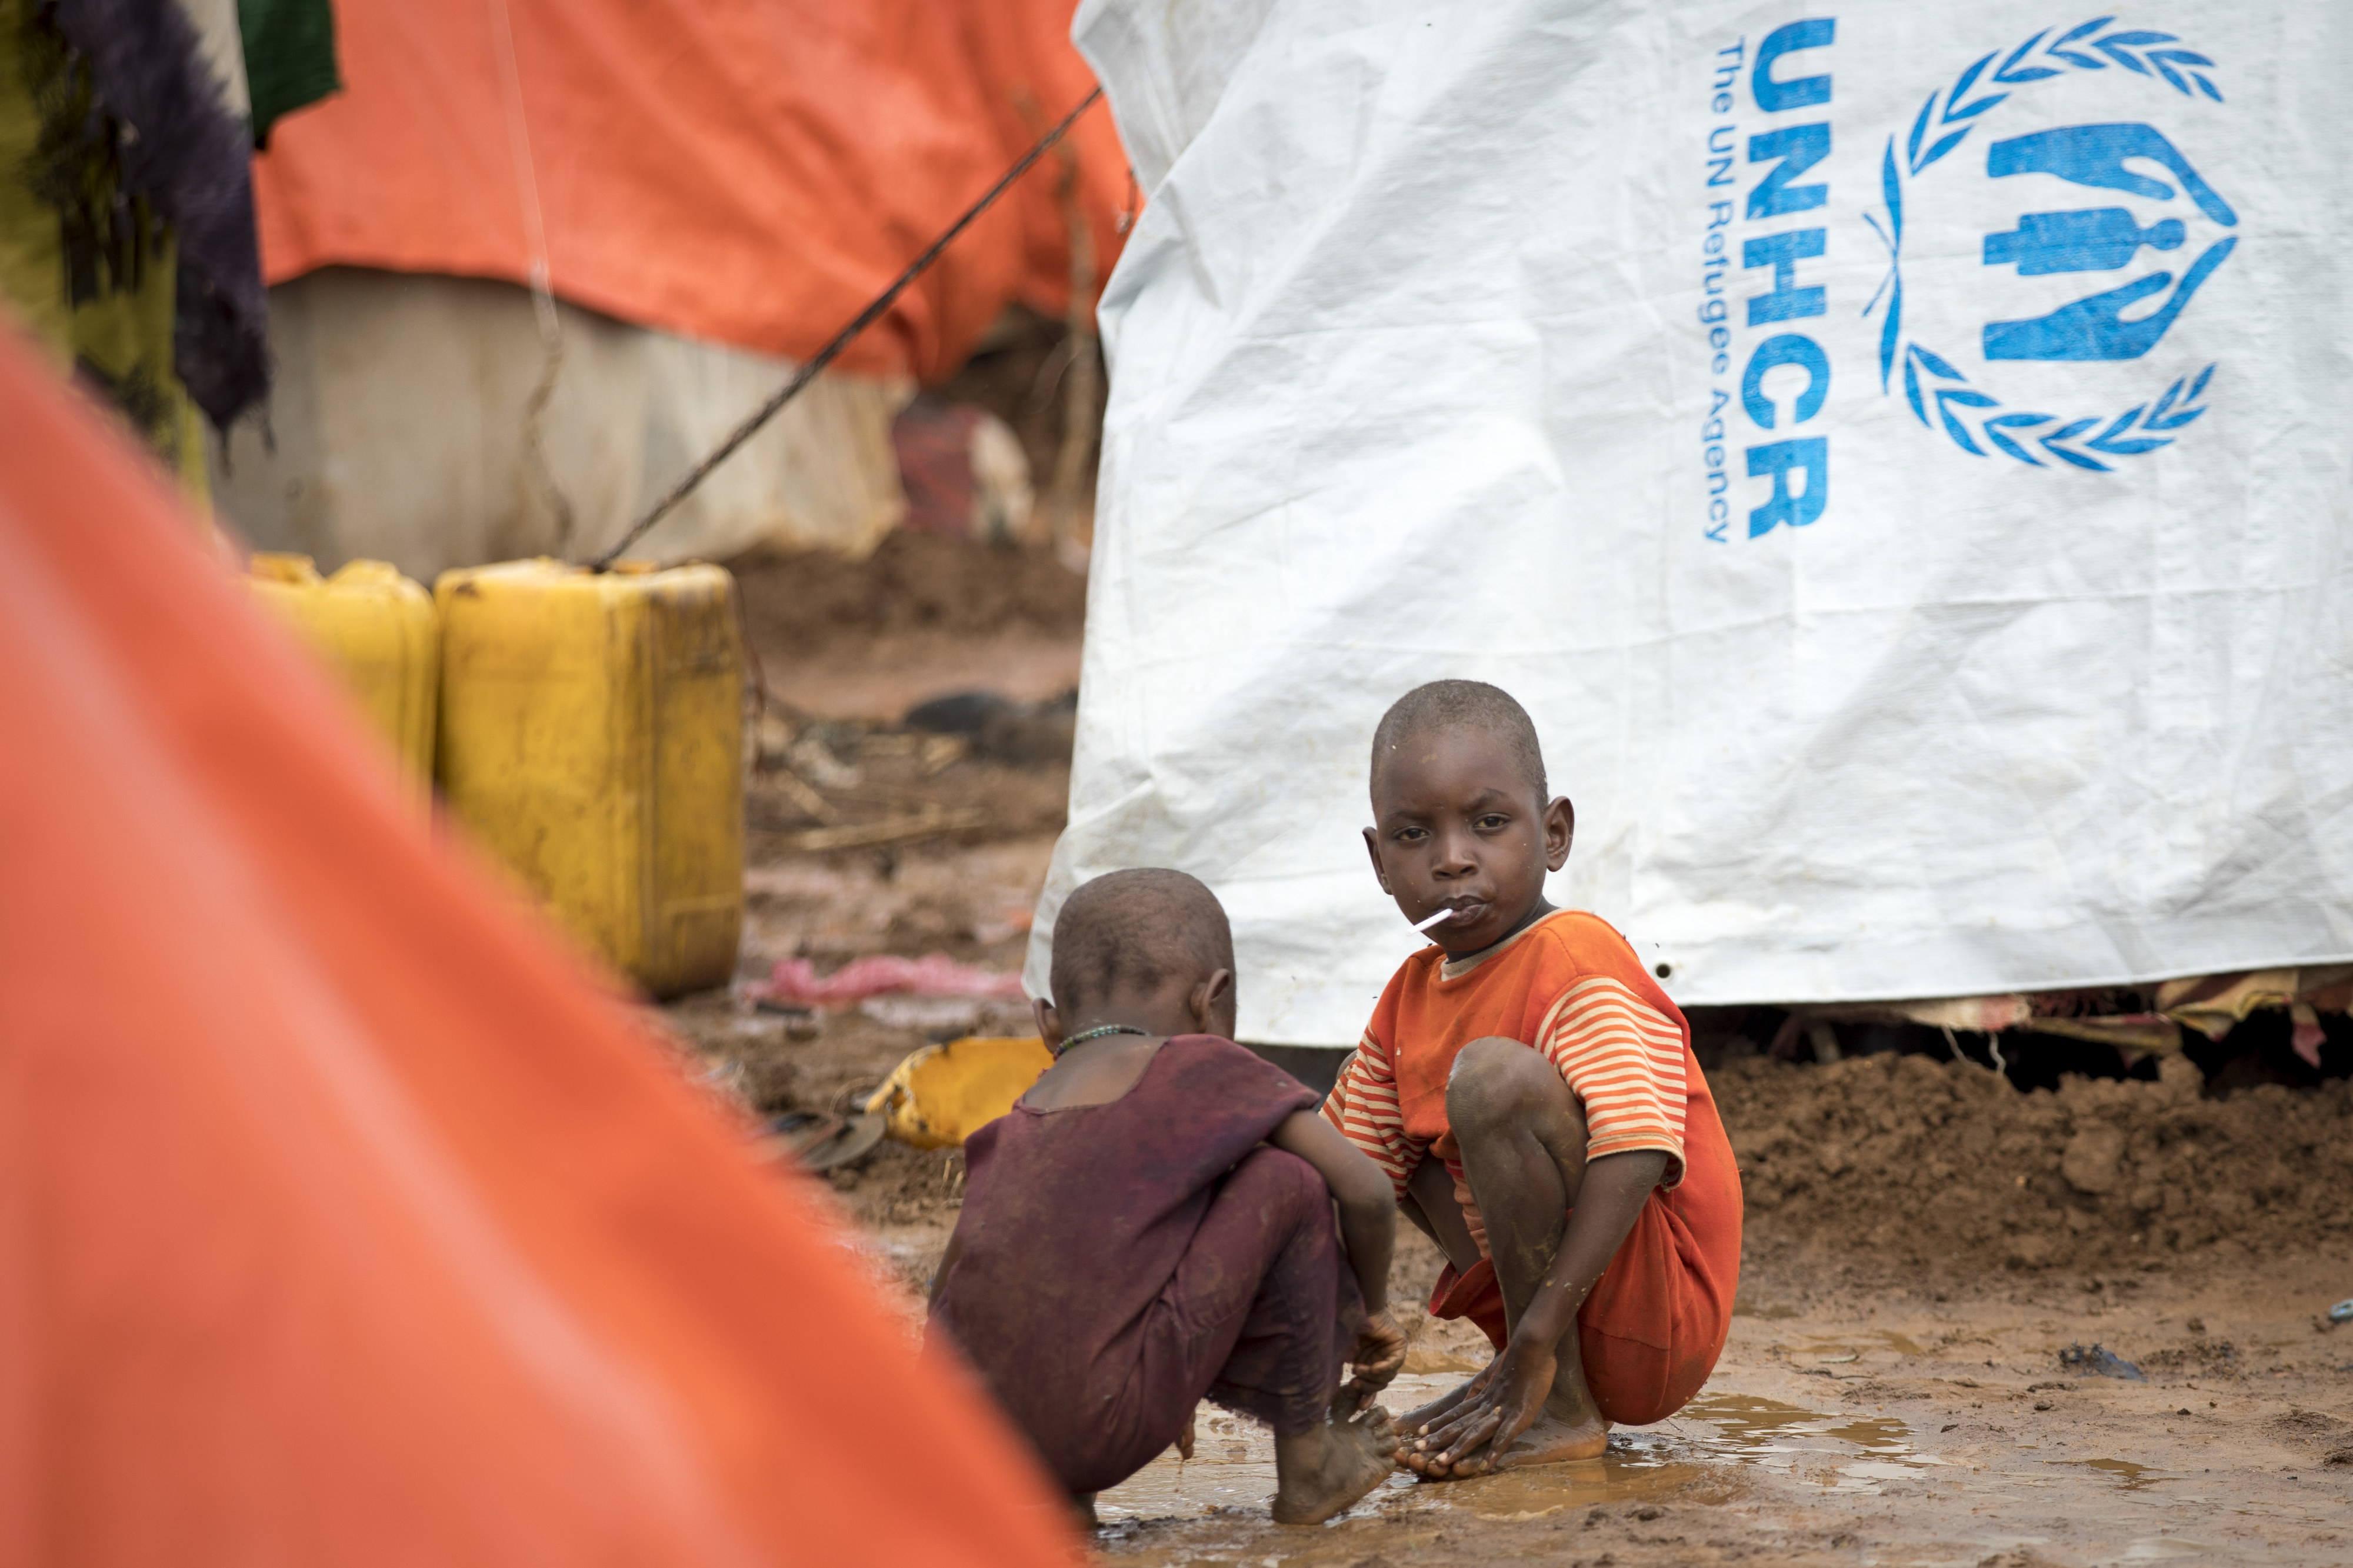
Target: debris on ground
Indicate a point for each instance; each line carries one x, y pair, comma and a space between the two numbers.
827, 1142
2099, 1362
795, 980
997, 726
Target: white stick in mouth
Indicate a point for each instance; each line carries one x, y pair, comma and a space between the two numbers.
1440, 915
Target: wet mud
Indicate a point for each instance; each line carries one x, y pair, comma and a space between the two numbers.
1873, 1425
1695, 1457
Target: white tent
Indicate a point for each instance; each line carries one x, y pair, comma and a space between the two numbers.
1900, 457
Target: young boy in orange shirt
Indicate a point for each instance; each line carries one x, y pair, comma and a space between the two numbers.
1581, 1180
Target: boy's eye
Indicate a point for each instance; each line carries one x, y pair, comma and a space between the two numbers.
1492, 821
1412, 834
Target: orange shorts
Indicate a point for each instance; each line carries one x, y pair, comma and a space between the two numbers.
1656, 1322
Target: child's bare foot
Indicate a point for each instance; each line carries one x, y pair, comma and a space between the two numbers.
1321, 1472
1551, 1441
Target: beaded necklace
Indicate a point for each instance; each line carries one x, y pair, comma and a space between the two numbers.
1097, 1035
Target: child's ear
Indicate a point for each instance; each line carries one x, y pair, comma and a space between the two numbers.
1560, 827
1373, 848
1049, 1022
1207, 999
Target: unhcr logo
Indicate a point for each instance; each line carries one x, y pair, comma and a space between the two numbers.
2014, 247
2064, 232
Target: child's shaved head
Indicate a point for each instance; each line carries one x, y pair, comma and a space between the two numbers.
1461, 705
1133, 932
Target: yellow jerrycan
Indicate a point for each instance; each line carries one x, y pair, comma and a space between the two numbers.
591, 734
379, 632
942, 1095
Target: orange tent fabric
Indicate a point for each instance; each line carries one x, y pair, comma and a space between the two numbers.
750, 172
342, 1220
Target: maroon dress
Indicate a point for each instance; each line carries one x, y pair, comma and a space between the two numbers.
1117, 1263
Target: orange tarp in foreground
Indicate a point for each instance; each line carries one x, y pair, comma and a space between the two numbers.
750, 172
342, 1219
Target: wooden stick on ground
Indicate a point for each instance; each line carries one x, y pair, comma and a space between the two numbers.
892, 830
804, 795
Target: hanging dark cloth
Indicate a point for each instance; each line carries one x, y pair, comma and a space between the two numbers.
189, 156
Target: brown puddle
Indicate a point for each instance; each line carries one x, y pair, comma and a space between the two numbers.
2136, 1477
1233, 1463
1695, 1455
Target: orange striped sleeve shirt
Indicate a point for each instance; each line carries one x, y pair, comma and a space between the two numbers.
1569, 987
1624, 1059
1363, 1105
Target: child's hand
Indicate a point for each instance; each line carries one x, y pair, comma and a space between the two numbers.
1494, 1413
1380, 1351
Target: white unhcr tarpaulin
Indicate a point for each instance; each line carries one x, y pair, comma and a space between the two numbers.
1899, 454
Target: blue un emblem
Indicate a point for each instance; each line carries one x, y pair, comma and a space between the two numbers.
2126, 275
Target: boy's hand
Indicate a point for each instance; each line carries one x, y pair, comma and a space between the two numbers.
1380, 1351
1506, 1402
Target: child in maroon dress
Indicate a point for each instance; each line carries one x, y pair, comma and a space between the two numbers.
1152, 1223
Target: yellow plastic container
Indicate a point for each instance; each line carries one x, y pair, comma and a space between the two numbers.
592, 733
378, 631
942, 1095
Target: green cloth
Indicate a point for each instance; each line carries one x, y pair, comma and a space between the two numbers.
289, 58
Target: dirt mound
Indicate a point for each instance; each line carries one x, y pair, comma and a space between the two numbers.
2315, 1430
798, 605
1923, 1163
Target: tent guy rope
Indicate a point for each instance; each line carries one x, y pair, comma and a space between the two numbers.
825, 355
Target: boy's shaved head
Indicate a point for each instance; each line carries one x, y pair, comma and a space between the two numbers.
1460, 705
1133, 932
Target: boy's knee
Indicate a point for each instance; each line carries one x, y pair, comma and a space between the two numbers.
1496, 1082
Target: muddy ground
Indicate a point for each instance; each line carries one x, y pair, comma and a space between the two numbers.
1925, 1244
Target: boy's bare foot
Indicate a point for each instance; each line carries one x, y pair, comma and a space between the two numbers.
1320, 1473
1551, 1441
